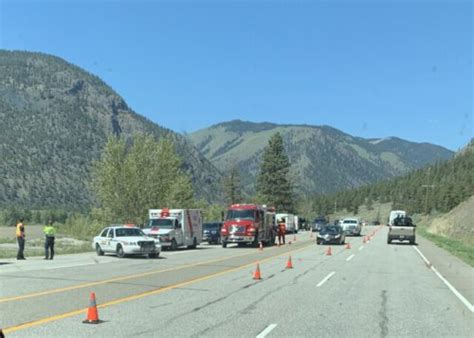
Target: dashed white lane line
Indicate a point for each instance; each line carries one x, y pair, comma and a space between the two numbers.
325, 279
350, 257
266, 331
361, 248
452, 288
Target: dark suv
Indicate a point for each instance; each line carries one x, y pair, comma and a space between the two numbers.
211, 232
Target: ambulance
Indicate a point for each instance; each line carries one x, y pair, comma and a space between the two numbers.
175, 228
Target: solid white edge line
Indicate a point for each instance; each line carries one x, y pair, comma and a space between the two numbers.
266, 331
350, 257
422, 256
325, 279
452, 288
361, 248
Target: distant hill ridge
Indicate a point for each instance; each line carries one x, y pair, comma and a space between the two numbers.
324, 159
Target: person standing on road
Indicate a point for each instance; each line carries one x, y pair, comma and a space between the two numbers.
281, 231
50, 233
20, 237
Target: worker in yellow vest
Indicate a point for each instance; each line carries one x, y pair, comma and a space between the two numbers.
20, 237
50, 233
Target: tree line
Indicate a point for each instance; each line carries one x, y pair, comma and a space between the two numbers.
141, 173
438, 187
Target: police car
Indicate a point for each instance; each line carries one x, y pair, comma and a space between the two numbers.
125, 240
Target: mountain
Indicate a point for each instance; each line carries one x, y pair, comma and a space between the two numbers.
323, 159
55, 118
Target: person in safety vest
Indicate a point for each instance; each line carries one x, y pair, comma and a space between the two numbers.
20, 237
281, 231
49, 232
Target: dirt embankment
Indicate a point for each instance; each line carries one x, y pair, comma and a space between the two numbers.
457, 224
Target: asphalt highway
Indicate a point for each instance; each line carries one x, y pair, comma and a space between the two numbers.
369, 290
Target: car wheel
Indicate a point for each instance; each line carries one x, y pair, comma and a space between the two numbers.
120, 252
98, 250
224, 244
153, 255
174, 245
389, 241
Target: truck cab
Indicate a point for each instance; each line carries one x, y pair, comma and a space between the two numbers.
248, 224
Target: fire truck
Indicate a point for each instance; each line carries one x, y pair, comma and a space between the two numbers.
249, 224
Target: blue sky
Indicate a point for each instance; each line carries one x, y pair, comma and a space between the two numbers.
371, 69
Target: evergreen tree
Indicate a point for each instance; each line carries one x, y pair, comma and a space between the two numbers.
273, 184
232, 186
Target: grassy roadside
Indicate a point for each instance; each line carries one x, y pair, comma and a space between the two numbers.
457, 248
35, 251
35, 246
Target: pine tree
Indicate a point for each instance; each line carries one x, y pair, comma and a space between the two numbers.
273, 184
232, 187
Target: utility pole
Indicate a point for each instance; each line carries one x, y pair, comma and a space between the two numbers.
426, 186
335, 206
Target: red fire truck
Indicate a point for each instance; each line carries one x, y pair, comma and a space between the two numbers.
248, 224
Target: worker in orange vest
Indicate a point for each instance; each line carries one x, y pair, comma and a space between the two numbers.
281, 231
20, 237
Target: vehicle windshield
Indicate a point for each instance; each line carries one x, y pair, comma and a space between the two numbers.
211, 226
320, 220
161, 223
240, 214
332, 230
129, 232
350, 221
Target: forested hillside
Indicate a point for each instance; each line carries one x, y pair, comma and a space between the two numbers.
440, 187
323, 159
54, 121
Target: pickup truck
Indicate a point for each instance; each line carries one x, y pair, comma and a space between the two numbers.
402, 229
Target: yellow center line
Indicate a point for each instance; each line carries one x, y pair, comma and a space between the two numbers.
117, 279
144, 294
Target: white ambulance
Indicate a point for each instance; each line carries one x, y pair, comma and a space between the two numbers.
175, 227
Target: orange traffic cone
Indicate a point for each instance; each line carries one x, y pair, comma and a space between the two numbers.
329, 252
289, 264
257, 275
92, 314
348, 245
364, 240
